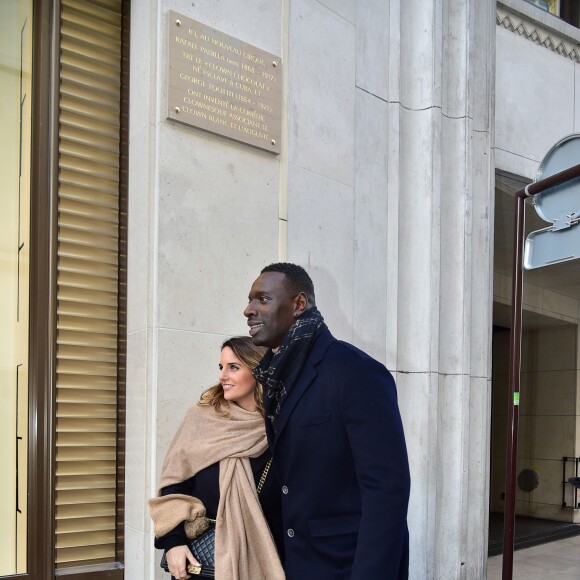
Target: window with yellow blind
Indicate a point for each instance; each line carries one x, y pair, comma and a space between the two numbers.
88, 369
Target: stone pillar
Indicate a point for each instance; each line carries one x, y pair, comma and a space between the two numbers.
390, 203
445, 208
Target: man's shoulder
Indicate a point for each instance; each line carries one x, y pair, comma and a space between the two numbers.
346, 354
343, 348
328, 350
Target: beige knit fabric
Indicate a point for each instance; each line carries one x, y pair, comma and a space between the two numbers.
244, 548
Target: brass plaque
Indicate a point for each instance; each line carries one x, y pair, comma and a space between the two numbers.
223, 85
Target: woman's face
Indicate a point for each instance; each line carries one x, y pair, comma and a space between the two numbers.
237, 380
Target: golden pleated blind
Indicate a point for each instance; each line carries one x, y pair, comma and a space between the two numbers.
88, 255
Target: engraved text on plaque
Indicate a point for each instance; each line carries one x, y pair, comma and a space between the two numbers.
223, 85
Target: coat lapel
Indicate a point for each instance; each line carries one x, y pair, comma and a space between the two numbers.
305, 379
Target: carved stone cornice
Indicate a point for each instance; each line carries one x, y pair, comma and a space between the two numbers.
537, 33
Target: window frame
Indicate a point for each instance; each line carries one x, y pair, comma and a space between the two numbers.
42, 321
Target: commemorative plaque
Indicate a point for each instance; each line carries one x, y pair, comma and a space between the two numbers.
223, 85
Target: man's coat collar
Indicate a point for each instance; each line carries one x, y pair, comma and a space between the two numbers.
305, 379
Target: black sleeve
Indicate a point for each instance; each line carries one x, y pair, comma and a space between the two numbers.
176, 537
204, 486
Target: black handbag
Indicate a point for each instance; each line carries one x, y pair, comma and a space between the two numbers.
203, 547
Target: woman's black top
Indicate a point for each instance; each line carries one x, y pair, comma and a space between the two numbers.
204, 485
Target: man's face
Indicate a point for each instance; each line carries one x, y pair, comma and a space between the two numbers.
271, 308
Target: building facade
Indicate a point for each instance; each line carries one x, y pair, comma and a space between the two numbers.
402, 130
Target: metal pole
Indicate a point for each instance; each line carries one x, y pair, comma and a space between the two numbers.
515, 360
514, 391
551, 181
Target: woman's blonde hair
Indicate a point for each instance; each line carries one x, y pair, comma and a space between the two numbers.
250, 354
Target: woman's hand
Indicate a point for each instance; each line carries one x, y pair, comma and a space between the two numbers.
177, 561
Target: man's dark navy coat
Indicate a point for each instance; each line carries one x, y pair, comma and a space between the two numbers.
340, 456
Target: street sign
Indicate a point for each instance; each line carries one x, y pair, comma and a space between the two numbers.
552, 209
559, 205
551, 246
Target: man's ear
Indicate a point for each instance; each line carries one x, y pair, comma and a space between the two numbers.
300, 304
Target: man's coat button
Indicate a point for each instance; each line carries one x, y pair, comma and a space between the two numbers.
291, 532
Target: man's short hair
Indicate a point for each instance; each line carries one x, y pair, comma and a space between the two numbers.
297, 279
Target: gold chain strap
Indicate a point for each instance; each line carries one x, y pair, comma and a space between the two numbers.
264, 475
260, 483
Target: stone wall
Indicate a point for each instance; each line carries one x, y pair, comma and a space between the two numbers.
383, 191
537, 96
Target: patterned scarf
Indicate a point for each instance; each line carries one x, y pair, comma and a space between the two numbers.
278, 371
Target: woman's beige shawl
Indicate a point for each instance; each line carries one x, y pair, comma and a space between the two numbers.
244, 547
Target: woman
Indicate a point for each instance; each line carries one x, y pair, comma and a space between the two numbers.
213, 468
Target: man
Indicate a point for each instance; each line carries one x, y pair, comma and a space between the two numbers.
336, 436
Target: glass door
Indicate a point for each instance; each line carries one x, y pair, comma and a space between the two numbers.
15, 141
